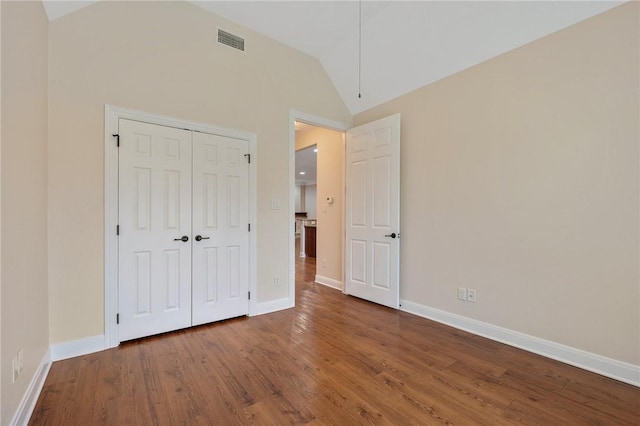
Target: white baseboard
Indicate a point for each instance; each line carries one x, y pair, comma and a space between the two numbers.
78, 347
30, 398
608, 367
329, 282
273, 306
54, 353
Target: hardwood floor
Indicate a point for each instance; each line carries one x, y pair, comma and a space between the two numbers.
334, 359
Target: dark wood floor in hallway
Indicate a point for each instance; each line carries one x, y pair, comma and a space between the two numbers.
333, 359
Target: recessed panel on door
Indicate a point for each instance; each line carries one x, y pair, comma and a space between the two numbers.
234, 286
381, 192
142, 283
209, 196
358, 194
358, 262
142, 198
381, 263
210, 274
172, 199
172, 279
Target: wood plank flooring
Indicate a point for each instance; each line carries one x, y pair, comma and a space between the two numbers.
334, 359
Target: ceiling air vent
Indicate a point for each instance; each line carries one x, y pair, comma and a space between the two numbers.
230, 40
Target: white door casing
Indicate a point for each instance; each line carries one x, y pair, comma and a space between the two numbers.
294, 116
154, 214
372, 246
220, 218
112, 117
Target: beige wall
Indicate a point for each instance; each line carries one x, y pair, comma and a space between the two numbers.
162, 57
1, 381
330, 163
24, 196
520, 179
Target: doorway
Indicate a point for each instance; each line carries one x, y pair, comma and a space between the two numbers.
318, 204
306, 194
370, 247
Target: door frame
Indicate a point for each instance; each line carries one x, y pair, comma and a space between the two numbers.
295, 115
111, 116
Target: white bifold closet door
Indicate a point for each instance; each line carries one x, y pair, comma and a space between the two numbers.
220, 220
183, 238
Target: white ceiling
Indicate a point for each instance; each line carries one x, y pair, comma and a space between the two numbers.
405, 44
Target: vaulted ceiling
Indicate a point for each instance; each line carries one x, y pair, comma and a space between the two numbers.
404, 44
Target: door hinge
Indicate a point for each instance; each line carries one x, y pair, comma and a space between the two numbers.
249, 227
117, 229
117, 318
248, 156
249, 295
117, 136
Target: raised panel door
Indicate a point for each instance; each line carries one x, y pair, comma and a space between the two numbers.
220, 220
154, 213
373, 211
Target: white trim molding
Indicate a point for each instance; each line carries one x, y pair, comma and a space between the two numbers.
111, 116
329, 282
273, 306
608, 367
295, 115
79, 347
54, 353
30, 398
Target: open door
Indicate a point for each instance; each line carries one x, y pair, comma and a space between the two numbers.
372, 245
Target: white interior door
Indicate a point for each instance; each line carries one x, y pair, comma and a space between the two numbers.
155, 229
220, 220
373, 211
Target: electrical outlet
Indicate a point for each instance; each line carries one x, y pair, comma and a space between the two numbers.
471, 295
276, 280
462, 293
324, 263
275, 204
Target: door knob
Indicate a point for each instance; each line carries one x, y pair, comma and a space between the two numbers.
200, 238
392, 235
184, 239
